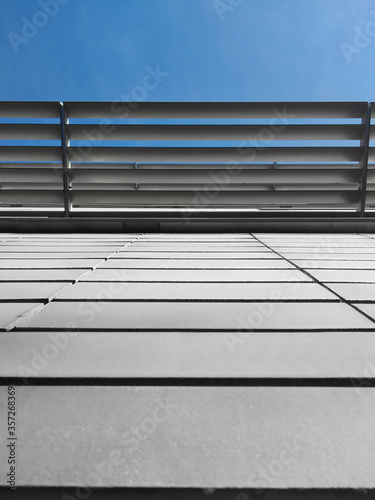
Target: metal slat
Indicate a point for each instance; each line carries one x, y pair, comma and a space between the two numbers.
30, 166
35, 197
29, 131
161, 110
30, 153
21, 185
204, 166
213, 154
212, 187
184, 199
215, 132
34, 175
212, 176
29, 109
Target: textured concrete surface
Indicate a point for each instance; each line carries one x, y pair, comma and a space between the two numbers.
197, 291
198, 316
203, 275
9, 312
29, 290
212, 263
39, 275
283, 336
182, 355
195, 436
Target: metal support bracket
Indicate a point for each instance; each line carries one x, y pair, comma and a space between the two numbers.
65, 161
365, 144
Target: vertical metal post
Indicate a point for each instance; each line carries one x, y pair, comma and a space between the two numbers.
136, 184
365, 144
65, 161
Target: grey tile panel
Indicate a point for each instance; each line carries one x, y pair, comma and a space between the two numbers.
10, 312
344, 275
355, 291
29, 291
259, 254
9, 264
204, 275
198, 316
195, 264
197, 246
53, 248
45, 254
196, 291
368, 309
204, 437
129, 355
40, 274
337, 264
329, 249
328, 255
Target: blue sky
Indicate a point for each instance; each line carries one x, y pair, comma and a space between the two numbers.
215, 50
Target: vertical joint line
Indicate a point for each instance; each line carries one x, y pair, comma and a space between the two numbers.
64, 159
365, 143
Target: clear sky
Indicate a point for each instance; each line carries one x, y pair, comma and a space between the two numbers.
192, 50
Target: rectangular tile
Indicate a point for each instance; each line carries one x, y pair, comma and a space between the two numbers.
355, 291
204, 437
342, 275
116, 355
79, 236
131, 254
54, 255
196, 246
48, 263
195, 264
196, 291
194, 236
9, 312
368, 309
59, 248
198, 316
193, 239
69, 242
337, 264
329, 256
40, 274
328, 250
188, 250
310, 245
28, 290
206, 275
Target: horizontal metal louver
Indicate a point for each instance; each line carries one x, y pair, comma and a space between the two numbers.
266, 162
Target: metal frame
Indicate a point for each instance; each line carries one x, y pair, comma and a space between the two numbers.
165, 183
65, 161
